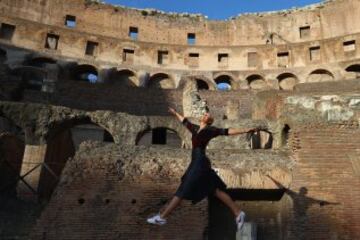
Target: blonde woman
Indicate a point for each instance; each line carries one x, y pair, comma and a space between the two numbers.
200, 180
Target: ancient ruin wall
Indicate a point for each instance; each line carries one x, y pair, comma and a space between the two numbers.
302, 38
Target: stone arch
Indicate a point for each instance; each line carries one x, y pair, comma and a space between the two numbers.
256, 82
224, 82
161, 80
197, 82
320, 75
63, 140
85, 73
125, 77
353, 70
287, 81
159, 136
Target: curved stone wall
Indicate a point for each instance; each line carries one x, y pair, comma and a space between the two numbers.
258, 51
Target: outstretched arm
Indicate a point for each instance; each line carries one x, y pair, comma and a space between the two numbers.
182, 119
235, 131
280, 186
176, 114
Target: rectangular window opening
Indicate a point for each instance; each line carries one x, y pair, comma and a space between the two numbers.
91, 48
7, 31
194, 59
52, 41
304, 32
223, 59
133, 33
191, 38
349, 46
252, 59
314, 53
128, 55
70, 21
283, 59
163, 57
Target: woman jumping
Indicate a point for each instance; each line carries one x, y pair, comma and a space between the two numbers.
200, 180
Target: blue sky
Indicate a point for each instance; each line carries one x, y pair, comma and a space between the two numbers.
215, 9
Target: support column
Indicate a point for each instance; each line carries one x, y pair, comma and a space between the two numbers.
34, 157
49, 82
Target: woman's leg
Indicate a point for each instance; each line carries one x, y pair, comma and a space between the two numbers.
226, 199
175, 201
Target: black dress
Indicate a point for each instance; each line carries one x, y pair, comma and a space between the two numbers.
200, 180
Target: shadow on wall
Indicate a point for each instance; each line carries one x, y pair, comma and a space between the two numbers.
299, 223
269, 210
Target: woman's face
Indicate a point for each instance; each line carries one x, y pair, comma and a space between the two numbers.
206, 118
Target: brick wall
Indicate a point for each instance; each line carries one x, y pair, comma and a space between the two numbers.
325, 157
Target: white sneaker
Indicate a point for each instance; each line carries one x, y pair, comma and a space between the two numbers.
156, 220
240, 220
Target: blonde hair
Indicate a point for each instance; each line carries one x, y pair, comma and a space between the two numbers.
210, 120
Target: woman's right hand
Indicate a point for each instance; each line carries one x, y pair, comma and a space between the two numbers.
172, 111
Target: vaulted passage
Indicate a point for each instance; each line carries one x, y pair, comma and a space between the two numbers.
256, 82
85, 73
287, 81
224, 83
354, 70
161, 80
320, 75
124, 78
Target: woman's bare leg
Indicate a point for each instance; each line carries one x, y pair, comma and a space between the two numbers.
175, 201
226, 199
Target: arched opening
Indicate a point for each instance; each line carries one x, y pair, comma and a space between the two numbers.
201, 84
354, 71
285, 135
320, 75
32, 77
223, 83
90, 131
64, 140
260, 140
256, 82
125, 78
12, 147
85, 73
3, 55
162, 81
287, 81
159, 136
40, 62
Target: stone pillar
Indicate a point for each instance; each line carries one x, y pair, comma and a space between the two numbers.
103, 75
49, 82
273, 83
143, 78
34, 156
